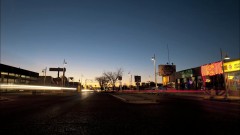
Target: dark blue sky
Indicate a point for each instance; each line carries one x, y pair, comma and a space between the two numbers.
102, 35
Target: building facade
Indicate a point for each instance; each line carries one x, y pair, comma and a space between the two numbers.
232, 76
10, 74
188, 79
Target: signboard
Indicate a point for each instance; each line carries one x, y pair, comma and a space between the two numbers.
166, 70
186, 73
120, 78
232, 66
137, 78
212, 69
57, 69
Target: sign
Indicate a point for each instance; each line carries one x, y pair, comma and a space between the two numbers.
166, 70
137, 78
186, 73
120, 78
137, 83
212, 69
57, 69
232, 66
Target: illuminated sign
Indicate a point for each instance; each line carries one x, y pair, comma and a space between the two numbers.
212, 69
208, 80
187, 73
230, 77
232, 66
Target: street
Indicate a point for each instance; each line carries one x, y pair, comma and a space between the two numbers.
92, 113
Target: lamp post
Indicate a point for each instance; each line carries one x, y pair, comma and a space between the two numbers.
44, 73
81, 78
222, 59
64, 63
154, 62
130, 80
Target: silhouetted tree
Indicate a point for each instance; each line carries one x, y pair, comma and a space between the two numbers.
103, 81
113, 76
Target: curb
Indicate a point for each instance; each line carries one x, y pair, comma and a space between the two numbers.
143, 101
222, 99
123, 99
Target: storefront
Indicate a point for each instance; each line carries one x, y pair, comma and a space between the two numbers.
212, 76
189, 79
232, 76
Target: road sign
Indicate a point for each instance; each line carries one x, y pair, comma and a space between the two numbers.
119, 77
137, 78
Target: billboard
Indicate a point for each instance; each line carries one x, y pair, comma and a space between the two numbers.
212, 69
57, 69
232, 66
166, 70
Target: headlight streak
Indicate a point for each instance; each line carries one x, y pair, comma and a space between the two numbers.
32, 87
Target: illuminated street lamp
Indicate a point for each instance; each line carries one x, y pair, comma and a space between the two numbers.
222, 59
155, 73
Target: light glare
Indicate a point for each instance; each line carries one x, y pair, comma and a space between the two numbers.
32, 87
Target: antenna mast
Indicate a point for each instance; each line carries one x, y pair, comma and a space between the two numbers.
168, 54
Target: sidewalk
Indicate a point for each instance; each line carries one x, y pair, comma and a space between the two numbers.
211, 97
153, 96
222, 98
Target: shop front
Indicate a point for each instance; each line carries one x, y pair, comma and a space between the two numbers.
189, 79
232, 77
212, 76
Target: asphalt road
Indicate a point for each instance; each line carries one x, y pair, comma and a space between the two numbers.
101, 113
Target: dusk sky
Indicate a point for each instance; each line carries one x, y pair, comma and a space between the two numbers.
94, 36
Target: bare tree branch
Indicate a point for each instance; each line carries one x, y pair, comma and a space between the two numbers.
113, 76
103, 81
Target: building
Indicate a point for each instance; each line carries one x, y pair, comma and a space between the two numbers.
10, 74
232, 76
188, 79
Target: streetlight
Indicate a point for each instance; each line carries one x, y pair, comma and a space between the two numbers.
64, 63
44, 74
130, 83
222, 59
81, 78
154, 62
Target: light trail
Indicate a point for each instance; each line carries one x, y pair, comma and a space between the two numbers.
87, 90
32, 87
